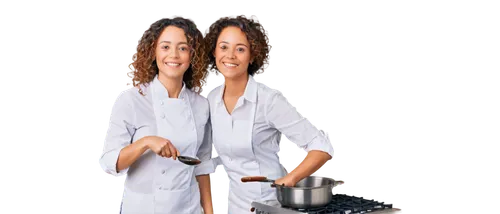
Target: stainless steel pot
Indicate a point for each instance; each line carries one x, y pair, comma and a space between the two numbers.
312, 191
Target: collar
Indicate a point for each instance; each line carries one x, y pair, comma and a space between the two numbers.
162, 93
250, 93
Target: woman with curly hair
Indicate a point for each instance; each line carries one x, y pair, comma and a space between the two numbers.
161, 117
248, 117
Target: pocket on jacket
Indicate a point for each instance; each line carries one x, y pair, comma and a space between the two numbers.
181, 201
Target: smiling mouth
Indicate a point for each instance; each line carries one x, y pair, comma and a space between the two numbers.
229, 65
172, 64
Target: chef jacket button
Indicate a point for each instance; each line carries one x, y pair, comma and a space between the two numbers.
230, 160
163, 116
163, 171
159, 187
161, 102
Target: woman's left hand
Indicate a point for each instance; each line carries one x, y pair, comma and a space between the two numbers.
288, 181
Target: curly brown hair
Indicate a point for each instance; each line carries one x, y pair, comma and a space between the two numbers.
144, 65
256, 36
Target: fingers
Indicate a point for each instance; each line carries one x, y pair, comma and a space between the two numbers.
173, 151
162, 151
166, 149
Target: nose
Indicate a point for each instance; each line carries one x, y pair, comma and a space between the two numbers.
174, 53
231, 54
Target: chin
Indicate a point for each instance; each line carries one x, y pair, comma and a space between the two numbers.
173, 74
233, 74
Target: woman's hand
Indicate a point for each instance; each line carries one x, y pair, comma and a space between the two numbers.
162, 147
289, 181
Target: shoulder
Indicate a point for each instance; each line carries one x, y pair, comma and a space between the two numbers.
124, 106
265, 93
133, 95
125, 97
213, 94
198, 100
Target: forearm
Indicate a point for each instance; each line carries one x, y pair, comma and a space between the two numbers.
313, 161
129, 154
205, 193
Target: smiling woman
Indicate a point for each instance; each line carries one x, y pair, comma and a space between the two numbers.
159, 119
253, 43
248, 117
155, 43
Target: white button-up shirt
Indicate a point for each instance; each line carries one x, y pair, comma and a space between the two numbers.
247, 140
155, 184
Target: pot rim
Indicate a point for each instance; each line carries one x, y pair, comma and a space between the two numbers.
304, 188
308, 188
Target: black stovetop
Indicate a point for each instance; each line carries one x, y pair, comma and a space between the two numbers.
344, 204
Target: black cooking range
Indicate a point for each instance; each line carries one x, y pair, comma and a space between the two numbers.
340, 204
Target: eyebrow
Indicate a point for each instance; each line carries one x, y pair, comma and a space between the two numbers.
236, 44
171, 42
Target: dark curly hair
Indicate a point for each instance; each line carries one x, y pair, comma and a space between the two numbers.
256, 36
144, 65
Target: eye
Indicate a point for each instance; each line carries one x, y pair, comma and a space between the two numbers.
183, 49
240, 49
223, 47
166, 47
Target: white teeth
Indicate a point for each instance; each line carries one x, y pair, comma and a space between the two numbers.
172, 64
230, 65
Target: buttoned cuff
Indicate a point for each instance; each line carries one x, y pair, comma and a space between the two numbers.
322, 143
207, 167
108, 162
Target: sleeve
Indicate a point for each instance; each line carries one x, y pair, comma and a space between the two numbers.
204, 154
119, 135
284, 117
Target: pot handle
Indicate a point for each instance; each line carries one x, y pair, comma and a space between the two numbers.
336, 184
256, 179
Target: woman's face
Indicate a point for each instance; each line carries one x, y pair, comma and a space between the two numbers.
172, 53
232, 53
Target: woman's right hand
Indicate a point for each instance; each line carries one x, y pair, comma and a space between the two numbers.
162, 147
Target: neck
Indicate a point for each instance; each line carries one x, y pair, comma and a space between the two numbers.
235, 87
173, 85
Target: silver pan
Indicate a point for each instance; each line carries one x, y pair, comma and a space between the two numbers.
312, 191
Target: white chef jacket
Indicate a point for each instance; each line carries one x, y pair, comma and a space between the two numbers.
247, 140
155, 184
